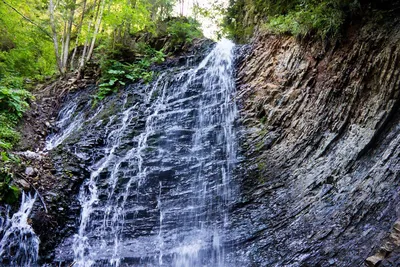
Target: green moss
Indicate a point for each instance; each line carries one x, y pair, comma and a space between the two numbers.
68, 173
261, 167
107, 112
260, 145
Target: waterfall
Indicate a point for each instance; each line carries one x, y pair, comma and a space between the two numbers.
19, 246
159, 194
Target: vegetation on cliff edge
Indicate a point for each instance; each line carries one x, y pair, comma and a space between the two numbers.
322, 19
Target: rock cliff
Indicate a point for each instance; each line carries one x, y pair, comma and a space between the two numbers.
321, 150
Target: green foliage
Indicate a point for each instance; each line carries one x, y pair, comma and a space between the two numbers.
8, 135
183, 30
116, 74
9, 194
111, 77
24, 49
122, 19
25, 52
13, 103
301, 18
154, 56
9, 158
14, 100
323, 20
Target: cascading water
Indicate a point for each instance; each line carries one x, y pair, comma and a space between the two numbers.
159, 194
19, 246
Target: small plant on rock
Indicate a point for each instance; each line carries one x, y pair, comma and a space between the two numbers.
116, 74
9, 194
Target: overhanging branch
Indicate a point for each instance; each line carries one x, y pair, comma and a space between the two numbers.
28, 19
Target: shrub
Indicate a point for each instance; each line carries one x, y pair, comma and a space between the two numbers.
183, 30
9, 194
115, 73
322, 19
13, 104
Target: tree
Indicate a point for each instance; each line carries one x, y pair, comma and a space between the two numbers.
25, 40
67, 11
74, 28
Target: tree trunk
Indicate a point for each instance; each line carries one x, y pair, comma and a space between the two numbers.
68, 34
55, 39
182, 6
82, 63
85, 46
62, 46
96, 30
79, 29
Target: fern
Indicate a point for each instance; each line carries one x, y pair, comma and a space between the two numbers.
117, 74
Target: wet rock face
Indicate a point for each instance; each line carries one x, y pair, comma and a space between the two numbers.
321, 144
56, 211
55, 177
160, 158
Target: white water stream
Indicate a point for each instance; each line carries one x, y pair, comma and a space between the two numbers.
19, 246
159, 195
